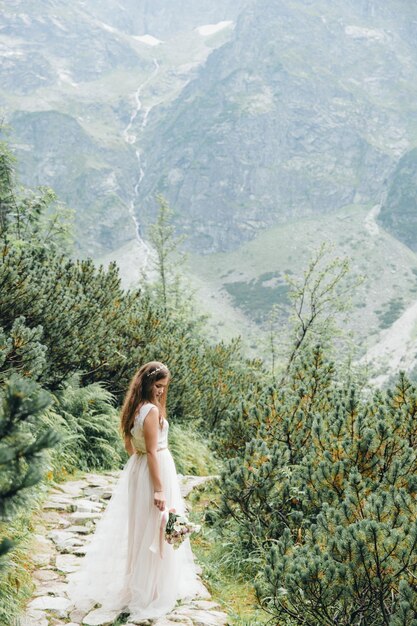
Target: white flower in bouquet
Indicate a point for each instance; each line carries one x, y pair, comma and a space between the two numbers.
178, 528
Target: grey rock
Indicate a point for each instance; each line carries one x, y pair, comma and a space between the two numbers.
80, 517
58, 605
207, 605
78, 550
54, 519
188, 483
97, 480
77, 614
45, 575
42, 558
33, 617
67, 562
57, 506
86, 506
100, 617
53, 588
42, 550
202, 618
81, 530
63, 539
173, 620
72, 487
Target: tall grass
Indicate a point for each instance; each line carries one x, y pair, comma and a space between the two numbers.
191, 452
16, 584
226, 573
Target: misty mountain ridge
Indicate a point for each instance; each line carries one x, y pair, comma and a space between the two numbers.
250, 117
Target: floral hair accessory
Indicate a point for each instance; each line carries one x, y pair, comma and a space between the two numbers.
158, 369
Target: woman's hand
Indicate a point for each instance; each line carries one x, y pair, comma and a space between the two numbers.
159, 500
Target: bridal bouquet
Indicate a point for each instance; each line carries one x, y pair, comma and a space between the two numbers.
178, 528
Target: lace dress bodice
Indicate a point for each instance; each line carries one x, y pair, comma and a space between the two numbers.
138, 439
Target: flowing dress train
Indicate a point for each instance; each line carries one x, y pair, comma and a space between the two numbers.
122, 570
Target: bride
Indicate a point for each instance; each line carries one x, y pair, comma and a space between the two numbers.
128, 567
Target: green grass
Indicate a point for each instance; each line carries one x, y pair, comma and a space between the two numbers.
257, 296
235, 278
190, 451
222, 569
391, 312
16, 586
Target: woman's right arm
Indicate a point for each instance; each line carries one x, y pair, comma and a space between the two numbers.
150, 432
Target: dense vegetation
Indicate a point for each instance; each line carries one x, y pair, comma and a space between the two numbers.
317, 495
70, 340
319, 488
320, 495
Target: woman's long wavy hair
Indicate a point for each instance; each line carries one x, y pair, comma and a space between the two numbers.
141, 390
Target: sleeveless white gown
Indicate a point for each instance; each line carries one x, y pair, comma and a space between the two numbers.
122, 571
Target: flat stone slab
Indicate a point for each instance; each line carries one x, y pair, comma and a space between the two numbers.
56, 506
81, 530
202, 618
42, 559
171, 621
98, 493
80, 517
61, 606
33, 618
42, 551
53, 519
58, 496
72, 487
188, 483
63, 539
206, 605
67, 562
100, 617
78, 550
77, 615
45, 575
86, 506
53, 588
96, 480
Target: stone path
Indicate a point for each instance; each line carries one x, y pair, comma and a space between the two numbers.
69, 516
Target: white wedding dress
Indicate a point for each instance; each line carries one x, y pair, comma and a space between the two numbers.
126, 568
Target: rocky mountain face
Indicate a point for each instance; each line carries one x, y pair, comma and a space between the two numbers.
72, 78
399, 211
268, 125
306, 109
287, 109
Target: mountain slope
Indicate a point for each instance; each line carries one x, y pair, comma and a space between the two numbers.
302, 112
399, 210
91, 72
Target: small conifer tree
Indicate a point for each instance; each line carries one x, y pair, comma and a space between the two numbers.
22, 446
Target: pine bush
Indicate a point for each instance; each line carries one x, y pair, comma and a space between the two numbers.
22, 446
326, 489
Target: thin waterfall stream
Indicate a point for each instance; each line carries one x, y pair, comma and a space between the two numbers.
133, 139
